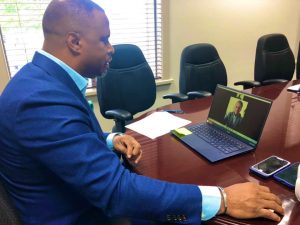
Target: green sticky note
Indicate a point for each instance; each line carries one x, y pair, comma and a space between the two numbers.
181, 132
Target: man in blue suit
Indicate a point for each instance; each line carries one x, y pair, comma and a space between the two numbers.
57, 164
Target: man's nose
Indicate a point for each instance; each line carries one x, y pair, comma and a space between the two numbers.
111, 50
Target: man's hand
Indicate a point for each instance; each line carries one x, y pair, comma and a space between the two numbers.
250, 200
128, 146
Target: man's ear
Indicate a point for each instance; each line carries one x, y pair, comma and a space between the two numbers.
73, 42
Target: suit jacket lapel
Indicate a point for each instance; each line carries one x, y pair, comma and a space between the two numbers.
54, 70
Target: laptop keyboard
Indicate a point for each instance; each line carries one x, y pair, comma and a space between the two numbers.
216, 138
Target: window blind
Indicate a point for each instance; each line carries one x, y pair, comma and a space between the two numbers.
132, 21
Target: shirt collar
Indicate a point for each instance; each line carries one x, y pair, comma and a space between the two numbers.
79, 80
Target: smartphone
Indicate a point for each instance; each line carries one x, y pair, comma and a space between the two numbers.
269, 166
179, 111
288, 175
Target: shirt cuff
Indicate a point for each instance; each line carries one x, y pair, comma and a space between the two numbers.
110, 138
211, 201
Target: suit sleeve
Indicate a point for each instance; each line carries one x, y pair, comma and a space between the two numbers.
58, 132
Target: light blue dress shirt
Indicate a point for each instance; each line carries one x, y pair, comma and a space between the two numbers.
211, 196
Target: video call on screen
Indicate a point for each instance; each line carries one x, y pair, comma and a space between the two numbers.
254, 116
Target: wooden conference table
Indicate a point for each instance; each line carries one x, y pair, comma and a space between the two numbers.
168, 159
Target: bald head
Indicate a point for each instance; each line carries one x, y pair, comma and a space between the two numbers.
238, 107
62, 16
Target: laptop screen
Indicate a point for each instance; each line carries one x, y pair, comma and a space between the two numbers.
241, 114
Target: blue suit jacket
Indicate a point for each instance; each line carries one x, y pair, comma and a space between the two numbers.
57, 168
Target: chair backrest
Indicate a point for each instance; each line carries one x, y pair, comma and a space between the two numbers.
274, 58
201, 69
8, 214
129, 83
298, 63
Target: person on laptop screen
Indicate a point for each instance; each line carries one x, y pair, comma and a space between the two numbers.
234, 118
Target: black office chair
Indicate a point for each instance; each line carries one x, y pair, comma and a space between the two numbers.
201, 69
298, 63
127, 88
8, 214
274, 61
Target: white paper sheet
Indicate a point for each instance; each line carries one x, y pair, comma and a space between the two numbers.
157, 124
294, 88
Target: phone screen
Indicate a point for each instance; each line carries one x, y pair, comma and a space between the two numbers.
270, 165
289, 174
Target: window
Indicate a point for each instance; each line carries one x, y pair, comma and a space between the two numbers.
132, 21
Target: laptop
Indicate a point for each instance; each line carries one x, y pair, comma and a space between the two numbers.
234, 125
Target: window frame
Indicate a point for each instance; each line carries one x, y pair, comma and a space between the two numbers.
158, 68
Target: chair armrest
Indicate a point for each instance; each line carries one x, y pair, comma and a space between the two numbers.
119, 114
248, 84
176, 97
273, 81
198, 94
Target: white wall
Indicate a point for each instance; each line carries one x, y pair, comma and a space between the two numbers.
233, 26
